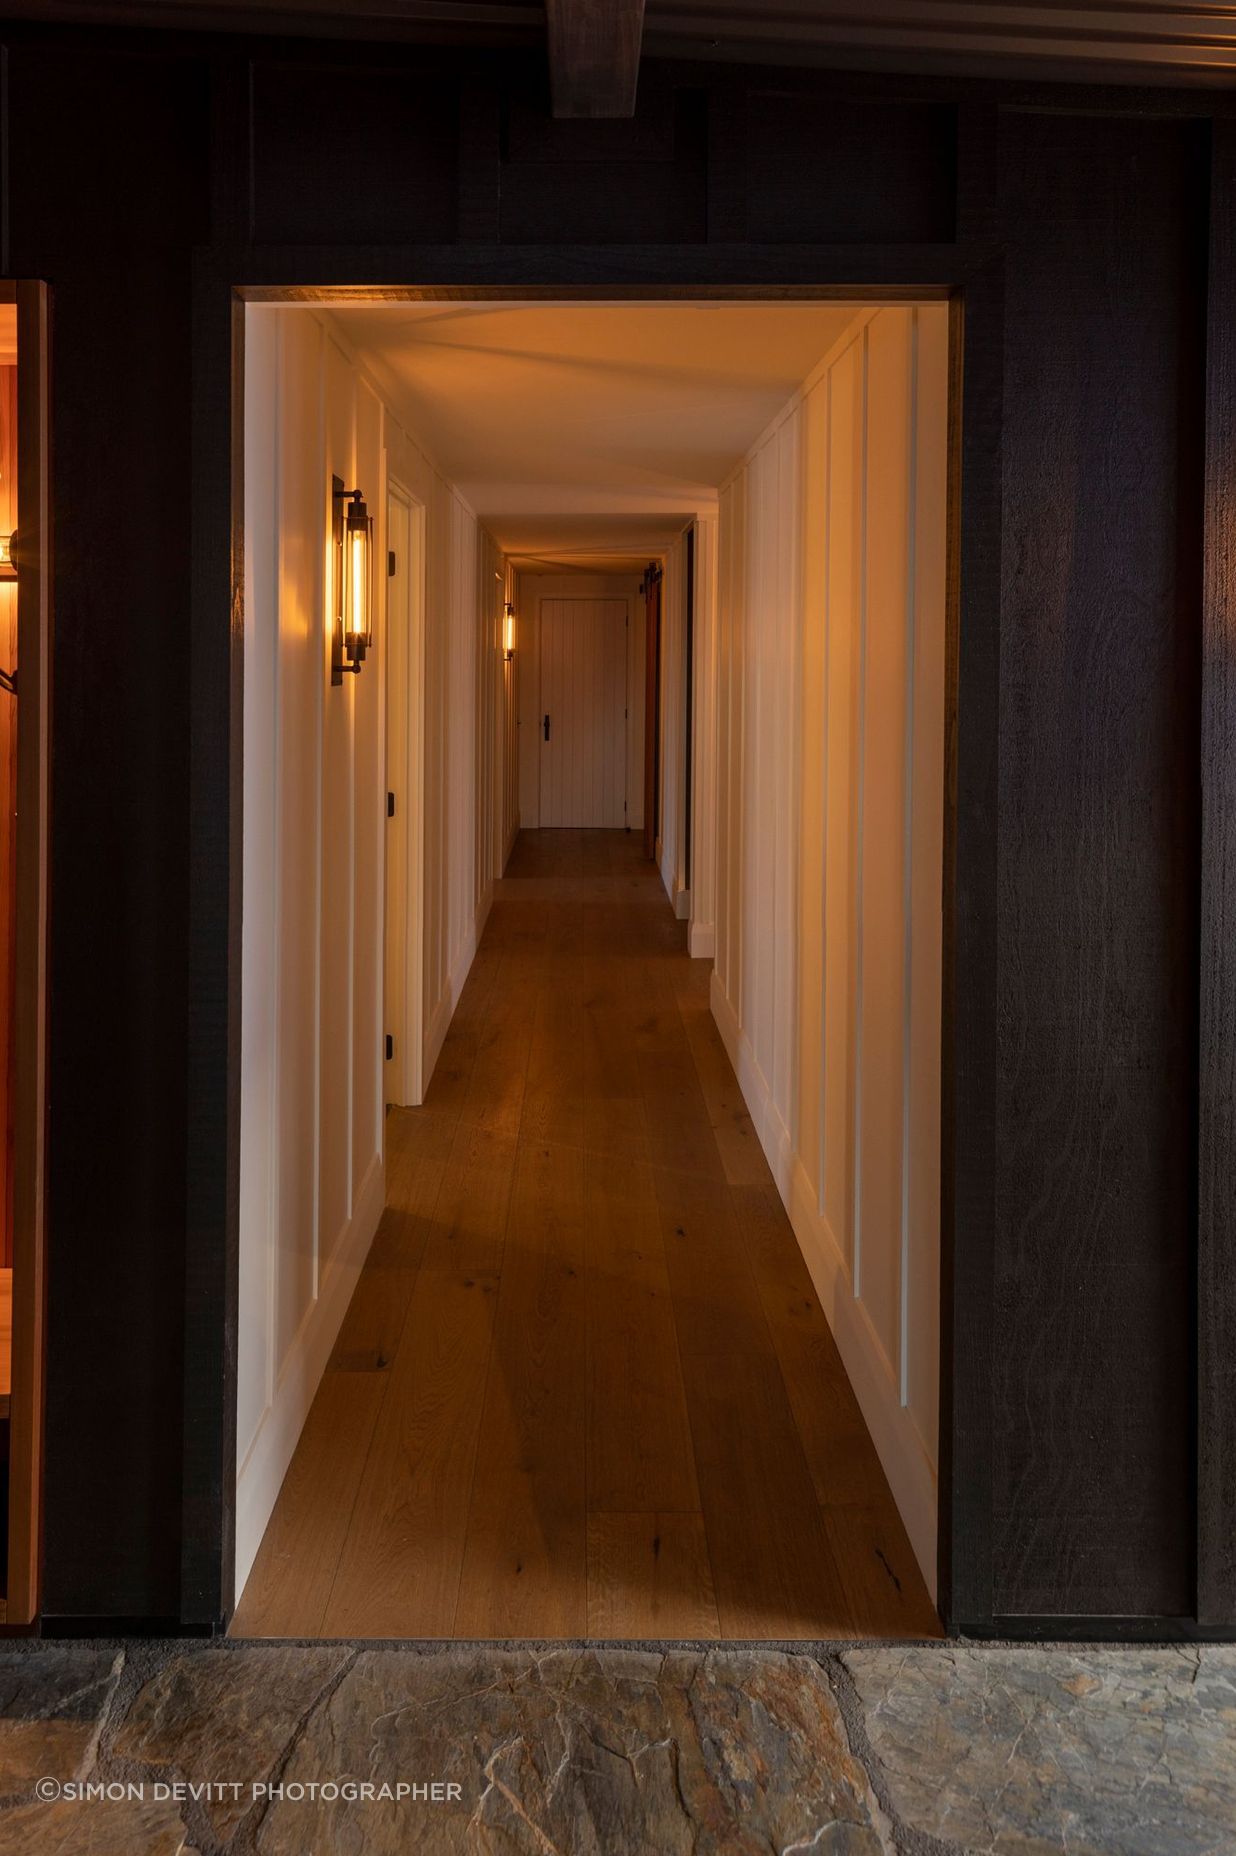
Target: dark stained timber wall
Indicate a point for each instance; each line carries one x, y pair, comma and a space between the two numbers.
142, 176
106, 163
1100, 640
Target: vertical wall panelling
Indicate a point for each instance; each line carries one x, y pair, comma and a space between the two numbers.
316, 843
463, 728
831, 629
1216, 1545
672, 851
702, 940
404, 1017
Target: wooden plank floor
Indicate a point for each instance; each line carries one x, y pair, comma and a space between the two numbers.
585, 1387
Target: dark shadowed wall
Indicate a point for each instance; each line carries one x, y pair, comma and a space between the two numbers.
1075, 223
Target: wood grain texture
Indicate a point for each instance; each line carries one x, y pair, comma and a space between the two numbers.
1216, 1273
576, 1394
524, 1567
398, 1567
289, 1588
1093, 1243
594, 55
649, 1576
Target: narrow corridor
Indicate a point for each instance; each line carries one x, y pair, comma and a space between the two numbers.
585, 1387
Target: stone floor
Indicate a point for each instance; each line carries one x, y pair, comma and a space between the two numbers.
584, 1751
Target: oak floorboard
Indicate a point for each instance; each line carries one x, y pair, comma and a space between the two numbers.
880, 1575
585, 1386
287, 1591
679, 1127
772, 1562
525, 1558
843, 1462
369, 1335
639, 1436
553, 1107
738, 1144
716, 1303
649, 1576
613, 1097
494, 1097
398, 1574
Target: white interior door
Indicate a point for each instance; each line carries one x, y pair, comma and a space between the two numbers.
583, 712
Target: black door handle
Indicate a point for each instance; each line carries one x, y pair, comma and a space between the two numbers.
547, 728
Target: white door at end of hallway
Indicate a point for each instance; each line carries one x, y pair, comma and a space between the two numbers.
583, 712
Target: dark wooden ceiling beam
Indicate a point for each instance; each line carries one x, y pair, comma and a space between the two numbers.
594, 50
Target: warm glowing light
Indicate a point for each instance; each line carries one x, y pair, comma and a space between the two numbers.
356, 623
509, 632
353, 630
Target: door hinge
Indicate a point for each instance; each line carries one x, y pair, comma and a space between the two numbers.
390, 563
390, 1047
390, 805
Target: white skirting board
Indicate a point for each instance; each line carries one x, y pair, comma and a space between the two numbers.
911, 1476
444, 1011
261, 1475
702, 941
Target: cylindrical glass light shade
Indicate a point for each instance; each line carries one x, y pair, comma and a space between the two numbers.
509, 634
357, 579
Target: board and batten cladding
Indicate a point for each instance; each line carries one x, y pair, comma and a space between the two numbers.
827, 988
312, 1183
146, 173
1099, 824
461, 573
311, 1156
671, 839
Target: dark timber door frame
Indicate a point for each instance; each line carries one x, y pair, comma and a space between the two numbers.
965, 272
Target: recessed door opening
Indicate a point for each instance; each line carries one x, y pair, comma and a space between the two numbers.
594, 862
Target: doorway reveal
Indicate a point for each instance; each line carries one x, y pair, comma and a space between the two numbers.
645, 1341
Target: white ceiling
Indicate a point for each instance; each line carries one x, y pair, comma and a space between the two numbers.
587, 433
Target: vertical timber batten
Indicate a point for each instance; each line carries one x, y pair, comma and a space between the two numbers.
213, 1031
1216, 1271
969, 1048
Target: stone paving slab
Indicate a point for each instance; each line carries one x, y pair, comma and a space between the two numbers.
924, 1750
1033, 1749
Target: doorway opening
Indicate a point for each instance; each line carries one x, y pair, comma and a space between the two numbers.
592, 996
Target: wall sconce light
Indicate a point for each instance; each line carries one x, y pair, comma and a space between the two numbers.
8, 564
508, 633
353, 633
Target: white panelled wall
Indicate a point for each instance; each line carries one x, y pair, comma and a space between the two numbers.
316, 842
829, 793
671, 847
